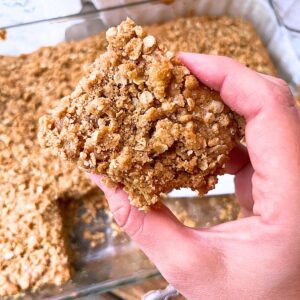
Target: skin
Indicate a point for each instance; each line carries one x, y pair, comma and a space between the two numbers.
258, 256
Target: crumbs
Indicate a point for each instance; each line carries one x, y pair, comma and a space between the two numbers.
3, 34
32, 181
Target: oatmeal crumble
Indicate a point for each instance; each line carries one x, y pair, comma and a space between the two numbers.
32, 248
143, 120
229, 36
32, 181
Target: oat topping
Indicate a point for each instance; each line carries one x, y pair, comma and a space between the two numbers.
32, 248
229, 36
143, 120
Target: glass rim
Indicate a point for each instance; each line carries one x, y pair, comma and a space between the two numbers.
80, 14
280, 19
127, 5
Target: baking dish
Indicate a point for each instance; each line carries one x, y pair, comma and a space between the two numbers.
118, 261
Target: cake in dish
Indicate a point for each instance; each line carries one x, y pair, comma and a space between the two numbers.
33, 182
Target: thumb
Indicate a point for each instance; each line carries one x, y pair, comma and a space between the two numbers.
158, 233
272, 131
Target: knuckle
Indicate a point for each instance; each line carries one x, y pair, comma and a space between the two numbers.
281, 82
134, 229
121, 215
284, 97
131, 225
284, 92
279, 93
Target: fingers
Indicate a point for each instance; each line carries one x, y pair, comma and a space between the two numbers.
243, 189
152, 231
243, 90
275, 80
240, 166
272, 130
164, 239
238, 158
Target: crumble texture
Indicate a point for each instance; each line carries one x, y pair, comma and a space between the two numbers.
229, 36
32, 181
32, 247
143, 120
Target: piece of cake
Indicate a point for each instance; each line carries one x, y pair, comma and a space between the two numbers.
143, 120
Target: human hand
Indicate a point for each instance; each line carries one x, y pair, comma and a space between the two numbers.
257, 257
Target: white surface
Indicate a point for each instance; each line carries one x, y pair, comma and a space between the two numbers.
110, 3
289, 12
21, 11
28, 38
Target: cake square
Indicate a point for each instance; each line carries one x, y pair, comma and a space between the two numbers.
142, 120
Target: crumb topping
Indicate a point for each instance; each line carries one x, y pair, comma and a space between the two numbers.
143, 120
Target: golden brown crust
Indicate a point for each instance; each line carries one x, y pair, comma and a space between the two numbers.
143, 120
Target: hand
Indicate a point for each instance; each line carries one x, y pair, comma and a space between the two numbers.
257, 257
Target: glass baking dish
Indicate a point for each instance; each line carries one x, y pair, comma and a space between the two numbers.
118, 261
